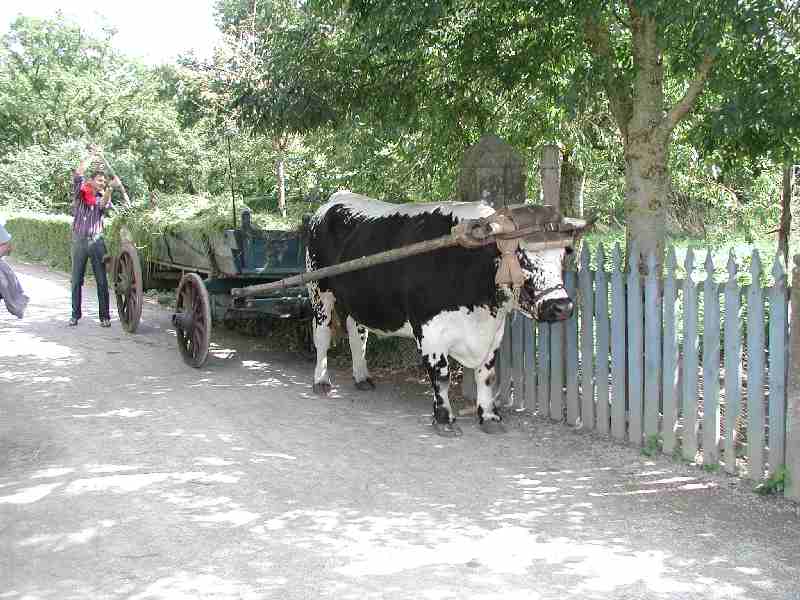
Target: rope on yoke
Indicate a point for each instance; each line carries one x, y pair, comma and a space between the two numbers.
507, 234
509, 272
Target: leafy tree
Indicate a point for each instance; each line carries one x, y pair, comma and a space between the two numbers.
62, 86
654, 62
271, 93
57, 83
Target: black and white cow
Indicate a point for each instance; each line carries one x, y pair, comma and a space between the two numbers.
446, 300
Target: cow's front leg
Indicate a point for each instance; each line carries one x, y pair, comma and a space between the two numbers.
435, 363
322, 306
485, 377
357, 335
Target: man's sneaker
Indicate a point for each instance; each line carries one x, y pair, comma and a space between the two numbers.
105, 323
73, 321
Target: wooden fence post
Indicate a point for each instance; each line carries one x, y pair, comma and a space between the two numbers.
755, 371
792, 489
518, 358
777, 369
551, 175
618, 326
571, 351
603, 343
711, 409
531, 372
587, 339
652, 350
543, 367
669, 382
635, 347
690, 353
733, 362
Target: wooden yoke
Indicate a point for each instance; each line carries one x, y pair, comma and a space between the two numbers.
500, 227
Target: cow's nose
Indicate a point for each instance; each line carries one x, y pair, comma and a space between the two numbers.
556, 309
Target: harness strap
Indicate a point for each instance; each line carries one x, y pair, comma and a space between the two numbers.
509, 272
539, 295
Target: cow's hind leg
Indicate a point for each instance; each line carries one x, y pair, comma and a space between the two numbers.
357, 335
322, 306
435, 363
488, 417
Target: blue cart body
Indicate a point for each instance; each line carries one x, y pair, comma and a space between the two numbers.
238, 258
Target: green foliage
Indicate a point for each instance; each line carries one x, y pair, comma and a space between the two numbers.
57, 83
775, 484
63, 87
384, 97
652, 446
188, 214
44, 238
39, 178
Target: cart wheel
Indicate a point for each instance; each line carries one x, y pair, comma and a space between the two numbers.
127, 281
192, 320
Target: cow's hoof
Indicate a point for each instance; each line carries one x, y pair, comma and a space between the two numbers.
450, 430
322, 389
491, 426
365, 385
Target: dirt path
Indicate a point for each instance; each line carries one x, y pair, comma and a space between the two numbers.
126, 474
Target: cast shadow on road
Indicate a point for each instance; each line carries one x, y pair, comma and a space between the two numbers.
301, 494
540, 520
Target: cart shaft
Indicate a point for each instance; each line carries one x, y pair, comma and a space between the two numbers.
351, 265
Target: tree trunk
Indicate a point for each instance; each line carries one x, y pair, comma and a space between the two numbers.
638, 105
572, 180
647, 187
786, 212
647, 182
281, 178
551, 157
279, 144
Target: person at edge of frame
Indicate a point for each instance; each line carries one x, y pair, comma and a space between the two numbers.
10, 289
91, 202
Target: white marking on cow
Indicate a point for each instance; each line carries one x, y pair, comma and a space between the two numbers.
404, 332
548, 266
369, 208
357, 335
466, 335
471, 337
323, 334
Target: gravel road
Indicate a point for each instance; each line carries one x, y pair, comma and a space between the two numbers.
126, 474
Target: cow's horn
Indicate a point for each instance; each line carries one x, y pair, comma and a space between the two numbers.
576, 224
581, 225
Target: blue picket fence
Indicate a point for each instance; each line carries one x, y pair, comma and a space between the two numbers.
695, 364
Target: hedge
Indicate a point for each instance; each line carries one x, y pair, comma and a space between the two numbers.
44, 238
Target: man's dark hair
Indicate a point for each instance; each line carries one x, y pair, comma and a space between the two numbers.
96, 172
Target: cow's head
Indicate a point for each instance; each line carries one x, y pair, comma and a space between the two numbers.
541, 257
543, 296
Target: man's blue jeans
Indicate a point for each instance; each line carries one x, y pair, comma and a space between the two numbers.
94, 249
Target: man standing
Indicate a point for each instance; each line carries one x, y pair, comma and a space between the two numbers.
91, 201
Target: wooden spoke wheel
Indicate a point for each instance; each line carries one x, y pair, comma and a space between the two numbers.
128, 287
192, 320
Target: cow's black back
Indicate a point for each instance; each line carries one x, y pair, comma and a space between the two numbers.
412, 290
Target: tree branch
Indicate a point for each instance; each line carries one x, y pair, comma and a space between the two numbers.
598, 40
619, 17
682, 108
